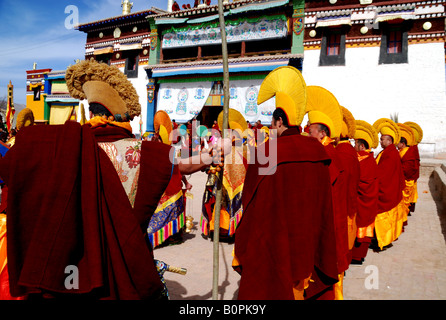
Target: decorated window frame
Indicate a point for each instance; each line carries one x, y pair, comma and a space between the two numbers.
394, 43
333, 46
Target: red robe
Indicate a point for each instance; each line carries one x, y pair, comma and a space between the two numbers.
286, 232
391, 179
411, 164
67, 207
340, 193
349, 158
368, 190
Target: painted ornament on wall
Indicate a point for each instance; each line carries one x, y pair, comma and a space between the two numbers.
298, 21
183, 95
251, 101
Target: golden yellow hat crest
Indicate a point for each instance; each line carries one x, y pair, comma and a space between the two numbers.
407, 133
388, 127
163, 126
367, 132
235, 120
25, 118
323, 107
288, 86
418, 132
348, 123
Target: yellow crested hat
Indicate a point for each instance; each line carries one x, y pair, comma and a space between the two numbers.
407, 133
323, 107
348, 124
388, 127
236, 121
163, 126
288, 86
25, 118
107, 85
418, 132
367, 132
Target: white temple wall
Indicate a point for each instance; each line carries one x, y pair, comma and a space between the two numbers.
416, 90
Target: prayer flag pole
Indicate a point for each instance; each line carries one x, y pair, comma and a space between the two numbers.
218, 196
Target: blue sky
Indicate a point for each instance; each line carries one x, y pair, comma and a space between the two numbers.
35, 31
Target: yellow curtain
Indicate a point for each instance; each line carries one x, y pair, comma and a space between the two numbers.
60, 114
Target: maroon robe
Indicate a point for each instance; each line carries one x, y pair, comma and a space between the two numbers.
340, 196
349, 158
391, 179
411, 164
286, 232
67, 207
368, 190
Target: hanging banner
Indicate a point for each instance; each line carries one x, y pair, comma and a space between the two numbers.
243, 98
183, 101
237, 31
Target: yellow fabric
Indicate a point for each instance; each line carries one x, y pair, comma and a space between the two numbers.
338, 287
224, 220
413, 198
352, 228
389, 224
410, 194
368, 231
3, 256
99, 121
299, 288
60, 114
378, 157
326, 141
403, 151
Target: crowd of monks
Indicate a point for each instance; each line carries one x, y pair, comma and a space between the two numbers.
370, 197
297, 226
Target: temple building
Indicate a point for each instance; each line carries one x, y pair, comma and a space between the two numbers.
48, 97
379, 58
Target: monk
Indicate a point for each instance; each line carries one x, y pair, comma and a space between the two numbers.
391, 209
410, 160
367, 200
279, 253
80, 203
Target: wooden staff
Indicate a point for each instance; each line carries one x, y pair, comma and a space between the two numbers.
218, 197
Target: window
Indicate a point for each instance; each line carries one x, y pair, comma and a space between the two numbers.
131, 64
333, 44
333, 47
394, 44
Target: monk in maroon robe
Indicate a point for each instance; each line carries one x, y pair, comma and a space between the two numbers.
348, 156
286, 234
367, 204
389, 221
